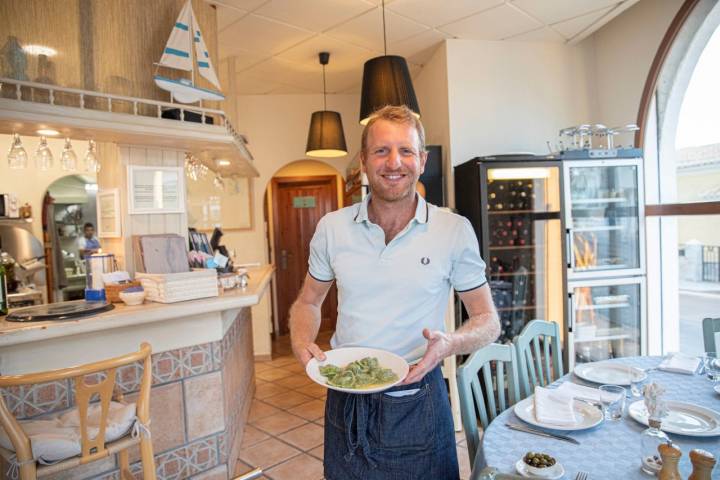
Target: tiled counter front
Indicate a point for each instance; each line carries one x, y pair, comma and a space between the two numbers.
200, 401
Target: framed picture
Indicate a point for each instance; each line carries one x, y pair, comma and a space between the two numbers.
108, 213
156, 189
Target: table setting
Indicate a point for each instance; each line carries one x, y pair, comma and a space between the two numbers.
599, 421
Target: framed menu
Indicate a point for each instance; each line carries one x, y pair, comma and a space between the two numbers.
156, 189
108, 213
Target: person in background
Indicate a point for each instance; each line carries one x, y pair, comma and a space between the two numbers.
88, 243
394, 257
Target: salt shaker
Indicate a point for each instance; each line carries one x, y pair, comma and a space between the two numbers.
703, 463
670, 455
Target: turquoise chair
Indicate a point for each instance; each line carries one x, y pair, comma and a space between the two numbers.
710, 327
474, 403
538, 344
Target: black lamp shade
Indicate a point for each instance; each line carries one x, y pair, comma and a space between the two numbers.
386, 81
326, 137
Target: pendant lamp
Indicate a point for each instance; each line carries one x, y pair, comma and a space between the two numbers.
326, 137
386, 81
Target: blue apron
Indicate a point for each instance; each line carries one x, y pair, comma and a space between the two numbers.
380, 437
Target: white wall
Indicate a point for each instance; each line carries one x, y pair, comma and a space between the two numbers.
277, 126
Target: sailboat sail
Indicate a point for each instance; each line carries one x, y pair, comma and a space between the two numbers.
205, 66
177, 51
178, 54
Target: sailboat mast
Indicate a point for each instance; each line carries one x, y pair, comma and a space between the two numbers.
191, 48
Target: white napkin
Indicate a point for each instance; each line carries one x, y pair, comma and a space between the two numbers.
679, 363
554, 407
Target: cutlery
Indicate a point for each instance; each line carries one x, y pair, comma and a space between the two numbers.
581, 476
523, 428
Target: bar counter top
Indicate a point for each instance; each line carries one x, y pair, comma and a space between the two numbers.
15, 333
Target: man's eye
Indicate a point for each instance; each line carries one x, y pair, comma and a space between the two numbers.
380, 151
407, 152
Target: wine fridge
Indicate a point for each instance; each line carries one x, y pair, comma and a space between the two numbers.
563, 240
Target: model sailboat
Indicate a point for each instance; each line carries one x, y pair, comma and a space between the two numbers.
178, 54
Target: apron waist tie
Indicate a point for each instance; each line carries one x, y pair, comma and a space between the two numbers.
355, 413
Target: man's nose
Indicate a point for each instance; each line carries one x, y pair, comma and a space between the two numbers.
393, 159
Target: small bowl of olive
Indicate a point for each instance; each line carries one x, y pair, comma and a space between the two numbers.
541, 465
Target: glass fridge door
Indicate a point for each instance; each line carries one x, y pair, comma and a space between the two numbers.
606, 319
604, 214
522, 244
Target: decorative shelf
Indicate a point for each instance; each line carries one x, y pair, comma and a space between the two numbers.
608, 306
594, 201
90, 115
599, 228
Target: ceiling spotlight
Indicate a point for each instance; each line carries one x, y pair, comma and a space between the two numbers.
222, 163
39, 50
48, 132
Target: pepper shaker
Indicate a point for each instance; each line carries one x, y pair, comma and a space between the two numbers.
703, 463
670, 455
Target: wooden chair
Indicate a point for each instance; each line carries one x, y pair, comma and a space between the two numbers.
710, 327
473, 402
534, 362
92, 449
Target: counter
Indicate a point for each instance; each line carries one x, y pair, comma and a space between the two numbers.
203, 373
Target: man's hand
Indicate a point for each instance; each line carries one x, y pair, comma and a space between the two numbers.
439, 347
308, 351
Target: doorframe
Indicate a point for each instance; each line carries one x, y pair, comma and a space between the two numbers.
275, 182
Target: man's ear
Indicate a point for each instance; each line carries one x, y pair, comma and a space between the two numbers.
423, 160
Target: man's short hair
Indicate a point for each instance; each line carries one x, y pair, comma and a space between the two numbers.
395, 114
88, 225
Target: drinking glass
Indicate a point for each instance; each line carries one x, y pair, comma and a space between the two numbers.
636, 384
712, 366
612, 398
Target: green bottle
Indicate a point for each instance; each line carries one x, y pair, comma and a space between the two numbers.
3, 291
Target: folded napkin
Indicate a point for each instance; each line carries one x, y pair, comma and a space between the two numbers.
554, 407
680, 363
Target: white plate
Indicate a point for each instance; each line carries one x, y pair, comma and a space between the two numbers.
589, 415
343, 356
682, 418
608, 373
551, 473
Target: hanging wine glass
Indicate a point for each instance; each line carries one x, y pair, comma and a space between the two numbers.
43, 155
17, 156
92, 162
68, 159
218, 182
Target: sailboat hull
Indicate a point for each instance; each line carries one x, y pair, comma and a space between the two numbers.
186, 93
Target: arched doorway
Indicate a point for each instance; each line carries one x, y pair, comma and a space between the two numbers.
297, 196
681, 168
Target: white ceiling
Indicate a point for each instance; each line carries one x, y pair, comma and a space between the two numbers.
273, 44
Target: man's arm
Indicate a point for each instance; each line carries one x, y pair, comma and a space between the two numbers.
482, 328
305, 319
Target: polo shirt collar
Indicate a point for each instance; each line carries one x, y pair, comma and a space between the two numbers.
422, 210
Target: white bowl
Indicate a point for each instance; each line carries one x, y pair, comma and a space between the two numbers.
342, 356
550, 473
132, 298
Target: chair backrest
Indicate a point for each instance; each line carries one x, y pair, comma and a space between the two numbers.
710, 327
474, 403
537, 345
92, 448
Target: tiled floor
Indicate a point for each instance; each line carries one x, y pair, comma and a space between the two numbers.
284, 435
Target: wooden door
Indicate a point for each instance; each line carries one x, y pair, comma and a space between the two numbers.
298, 205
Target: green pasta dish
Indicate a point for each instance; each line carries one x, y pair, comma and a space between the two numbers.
364, 373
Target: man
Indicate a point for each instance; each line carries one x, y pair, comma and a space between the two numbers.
394, 258
88, 243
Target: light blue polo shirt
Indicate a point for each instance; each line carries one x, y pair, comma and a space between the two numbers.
387, 294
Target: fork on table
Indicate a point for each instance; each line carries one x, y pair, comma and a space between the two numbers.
581, 476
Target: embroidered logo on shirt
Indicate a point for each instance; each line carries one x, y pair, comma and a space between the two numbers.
424, 260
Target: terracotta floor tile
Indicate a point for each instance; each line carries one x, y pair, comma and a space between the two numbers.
287, 400
302, 467
260, 410
294, 380
294, 367
312, 410
267, 453
283, 360
314, 390
268, 390
320, 421
272, 374
251, 436
279, 423
318, 452
262, 366
305, 438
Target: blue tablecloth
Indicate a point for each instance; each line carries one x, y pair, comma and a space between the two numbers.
612, 449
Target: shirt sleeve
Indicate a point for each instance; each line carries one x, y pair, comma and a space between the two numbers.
319, 266
468, 269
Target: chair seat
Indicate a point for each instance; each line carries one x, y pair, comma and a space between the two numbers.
57, 438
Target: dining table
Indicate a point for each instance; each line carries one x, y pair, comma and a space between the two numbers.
610, 450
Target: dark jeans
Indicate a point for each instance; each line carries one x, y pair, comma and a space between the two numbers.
379, 437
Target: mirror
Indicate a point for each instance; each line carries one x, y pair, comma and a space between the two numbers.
214, 202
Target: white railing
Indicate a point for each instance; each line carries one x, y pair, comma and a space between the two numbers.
30, 91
